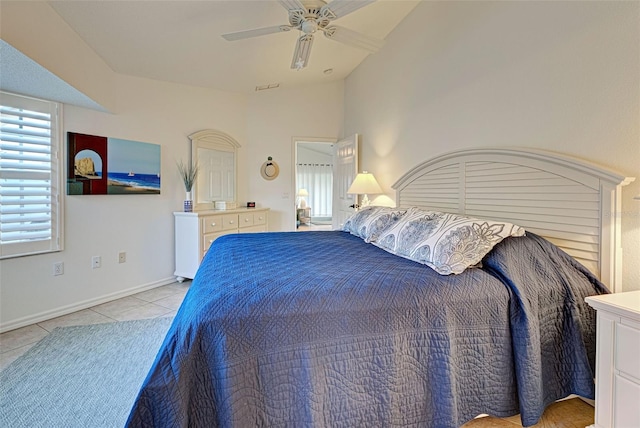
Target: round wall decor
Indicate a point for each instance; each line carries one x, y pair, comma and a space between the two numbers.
269, 169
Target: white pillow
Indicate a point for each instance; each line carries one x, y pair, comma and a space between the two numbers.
367, 223
448, 243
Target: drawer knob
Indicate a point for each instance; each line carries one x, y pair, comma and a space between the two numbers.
213, 224
230, 221
210, 241
246, 220
260, 218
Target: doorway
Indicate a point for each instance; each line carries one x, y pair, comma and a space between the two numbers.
313, 183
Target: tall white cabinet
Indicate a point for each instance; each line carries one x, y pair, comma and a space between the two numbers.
617, 360
195, 231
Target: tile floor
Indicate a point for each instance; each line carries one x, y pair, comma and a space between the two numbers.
572, 413
164, 302
158, 302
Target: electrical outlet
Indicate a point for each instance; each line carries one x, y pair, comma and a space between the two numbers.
122, 257
96, 262
58, 268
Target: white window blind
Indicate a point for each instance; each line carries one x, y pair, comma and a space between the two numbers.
30, 169
318, 180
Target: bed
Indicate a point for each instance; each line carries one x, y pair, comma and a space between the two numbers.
346, 329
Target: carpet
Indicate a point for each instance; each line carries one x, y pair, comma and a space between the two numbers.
84, 376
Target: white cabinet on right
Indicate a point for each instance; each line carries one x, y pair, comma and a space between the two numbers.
617, 360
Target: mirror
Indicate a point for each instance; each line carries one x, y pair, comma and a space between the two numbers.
215, 153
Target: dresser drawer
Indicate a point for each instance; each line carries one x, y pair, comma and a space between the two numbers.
260, 218
211, 224
246, 220
628, 348
617, 367
208, 239
253, 229
229, 221
626, 413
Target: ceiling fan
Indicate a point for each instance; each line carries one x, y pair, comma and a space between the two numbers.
311, 16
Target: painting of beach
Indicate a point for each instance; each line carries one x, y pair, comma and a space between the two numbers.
134, 167
105, 165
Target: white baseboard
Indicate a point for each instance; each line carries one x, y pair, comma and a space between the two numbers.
65, 310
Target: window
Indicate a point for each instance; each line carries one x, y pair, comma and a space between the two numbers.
30, 170
317, 179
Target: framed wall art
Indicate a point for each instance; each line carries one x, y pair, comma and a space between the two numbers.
111, 166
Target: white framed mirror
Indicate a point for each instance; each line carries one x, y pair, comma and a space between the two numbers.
215, 153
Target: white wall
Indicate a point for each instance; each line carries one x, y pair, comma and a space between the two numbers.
274, 119
307, 154
559, 76
142, 225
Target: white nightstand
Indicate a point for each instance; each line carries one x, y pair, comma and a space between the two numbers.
617, 360
304, 215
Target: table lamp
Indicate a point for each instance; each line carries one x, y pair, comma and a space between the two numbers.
364, 183
302, 203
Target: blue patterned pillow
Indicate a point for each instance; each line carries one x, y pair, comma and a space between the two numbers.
448, 243
369, 222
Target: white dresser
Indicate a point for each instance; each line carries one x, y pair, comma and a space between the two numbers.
617, 360
195, 231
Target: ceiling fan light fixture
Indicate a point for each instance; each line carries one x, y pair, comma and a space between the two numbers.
309, 26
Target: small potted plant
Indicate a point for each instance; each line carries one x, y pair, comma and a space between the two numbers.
188, 172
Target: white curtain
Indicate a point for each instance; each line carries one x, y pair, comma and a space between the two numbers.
317, 179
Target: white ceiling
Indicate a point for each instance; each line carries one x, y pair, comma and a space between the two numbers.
180, 41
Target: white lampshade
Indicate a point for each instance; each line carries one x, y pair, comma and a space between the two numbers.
364, 183
302, 203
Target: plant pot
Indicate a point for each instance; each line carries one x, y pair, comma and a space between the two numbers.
188, 203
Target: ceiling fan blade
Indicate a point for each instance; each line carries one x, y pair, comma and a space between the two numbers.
238, 35
301, 54
341, 8
292, 5
353, 38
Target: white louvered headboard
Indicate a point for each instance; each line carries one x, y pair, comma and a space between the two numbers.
572, 203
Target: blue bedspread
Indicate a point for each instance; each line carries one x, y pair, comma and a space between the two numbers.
322, 329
